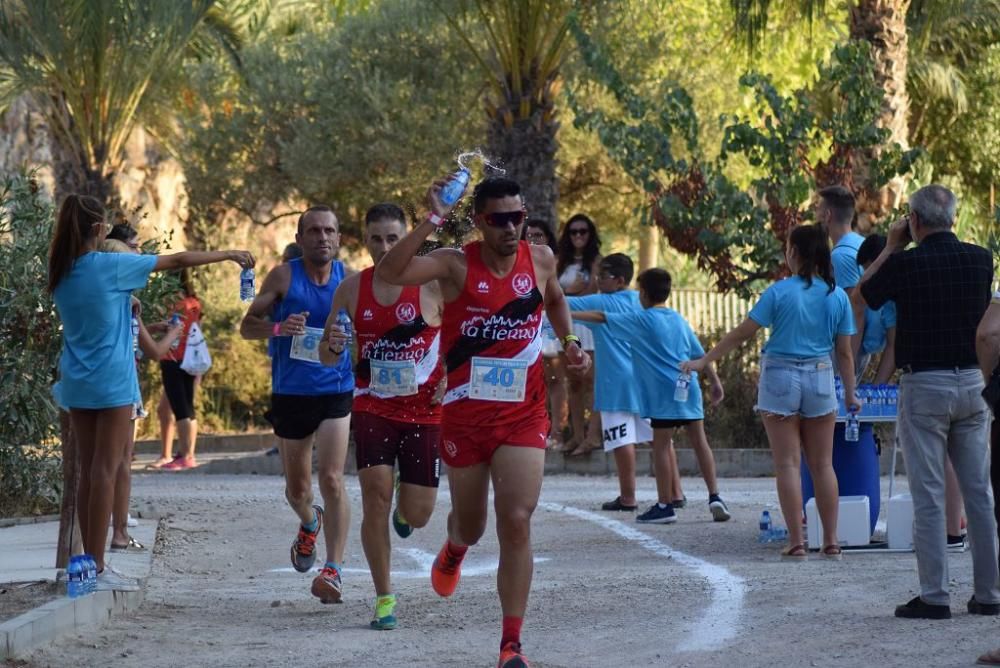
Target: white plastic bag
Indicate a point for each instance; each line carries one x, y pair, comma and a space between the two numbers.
197, 359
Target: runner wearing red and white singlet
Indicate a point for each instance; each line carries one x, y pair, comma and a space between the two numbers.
494, 424
398, 380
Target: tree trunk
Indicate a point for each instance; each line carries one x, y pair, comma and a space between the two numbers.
527, 150
649, 247
882, 23
69, 529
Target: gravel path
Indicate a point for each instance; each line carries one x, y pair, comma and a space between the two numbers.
607, 592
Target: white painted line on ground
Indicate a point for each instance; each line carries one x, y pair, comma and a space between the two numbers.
719, 622
424, 560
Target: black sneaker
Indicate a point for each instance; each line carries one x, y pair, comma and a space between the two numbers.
917, 609
977, 608
956, 543
719, 509
618, 505
657, 515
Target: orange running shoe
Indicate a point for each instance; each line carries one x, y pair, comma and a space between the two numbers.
327, 585
511, 657
446, 572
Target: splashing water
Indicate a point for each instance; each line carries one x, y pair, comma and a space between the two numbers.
488, 163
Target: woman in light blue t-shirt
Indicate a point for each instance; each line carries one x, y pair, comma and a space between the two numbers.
97, 378
806, 314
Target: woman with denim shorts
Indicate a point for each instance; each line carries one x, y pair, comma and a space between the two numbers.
807, 314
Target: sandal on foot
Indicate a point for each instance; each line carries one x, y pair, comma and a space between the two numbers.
991, 658
832, 552
795, 553
132, 546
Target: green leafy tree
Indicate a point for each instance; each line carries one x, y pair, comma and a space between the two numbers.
95, 69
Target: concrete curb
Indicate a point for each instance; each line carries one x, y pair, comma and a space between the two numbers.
216, 443
7, 522
62, 616
729, 463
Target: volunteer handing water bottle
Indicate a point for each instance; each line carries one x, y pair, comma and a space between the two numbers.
796, 395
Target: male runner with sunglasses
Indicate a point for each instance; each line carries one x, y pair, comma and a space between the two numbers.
495, 423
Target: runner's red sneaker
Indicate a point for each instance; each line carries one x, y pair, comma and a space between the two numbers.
327, 586
511, 657
446, 571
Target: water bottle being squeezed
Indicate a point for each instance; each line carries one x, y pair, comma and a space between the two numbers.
452, 191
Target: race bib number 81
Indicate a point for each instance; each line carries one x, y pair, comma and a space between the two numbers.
497, 379
395, 378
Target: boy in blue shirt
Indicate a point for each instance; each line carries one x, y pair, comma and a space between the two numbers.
878, 331
616, 396
661, 339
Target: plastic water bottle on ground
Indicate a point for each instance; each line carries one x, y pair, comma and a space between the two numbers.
75, 572
91, 579
682, 388
765, 527
247, 288
452, 191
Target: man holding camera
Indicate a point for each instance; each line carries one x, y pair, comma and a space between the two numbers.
941, 289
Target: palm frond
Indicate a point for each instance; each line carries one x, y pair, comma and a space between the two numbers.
751, 17
936, 81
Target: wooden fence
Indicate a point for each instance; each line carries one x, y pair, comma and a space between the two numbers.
707, 311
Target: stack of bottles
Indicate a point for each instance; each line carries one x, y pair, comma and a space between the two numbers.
81, 576
877, 401
770, 533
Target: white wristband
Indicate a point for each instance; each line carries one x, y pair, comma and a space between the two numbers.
435, 220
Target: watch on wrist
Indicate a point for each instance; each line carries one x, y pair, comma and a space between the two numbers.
570, 338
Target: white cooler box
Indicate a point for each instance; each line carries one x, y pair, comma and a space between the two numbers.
852, 523
899, 526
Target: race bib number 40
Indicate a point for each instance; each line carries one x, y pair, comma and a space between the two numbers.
305, 347
395, 378
497, 379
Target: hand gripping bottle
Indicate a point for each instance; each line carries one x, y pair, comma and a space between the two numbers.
452, 191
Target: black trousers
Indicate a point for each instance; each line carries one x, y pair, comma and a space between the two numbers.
995, 470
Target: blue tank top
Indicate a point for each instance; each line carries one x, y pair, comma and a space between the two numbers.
295, 366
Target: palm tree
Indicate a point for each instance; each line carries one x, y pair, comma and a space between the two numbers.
93, 68
520, 45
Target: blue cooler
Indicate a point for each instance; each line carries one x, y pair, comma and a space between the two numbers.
857, 469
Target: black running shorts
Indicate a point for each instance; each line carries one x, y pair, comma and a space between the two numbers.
296, 416
178, 385
381, 441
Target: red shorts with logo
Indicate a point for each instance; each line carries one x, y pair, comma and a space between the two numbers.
465, 444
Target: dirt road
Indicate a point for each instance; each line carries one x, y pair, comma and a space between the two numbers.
607, 592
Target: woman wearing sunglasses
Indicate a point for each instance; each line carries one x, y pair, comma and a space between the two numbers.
537, 232
578, 263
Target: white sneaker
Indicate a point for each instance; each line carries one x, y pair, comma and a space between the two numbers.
131, 521
111, 580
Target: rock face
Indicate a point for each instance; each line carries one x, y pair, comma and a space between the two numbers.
149, 180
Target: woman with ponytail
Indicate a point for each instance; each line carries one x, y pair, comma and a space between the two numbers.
795, 397
97, 377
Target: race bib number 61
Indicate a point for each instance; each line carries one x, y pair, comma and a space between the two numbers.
497, 379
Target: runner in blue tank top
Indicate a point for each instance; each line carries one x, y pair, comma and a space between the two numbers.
309, 402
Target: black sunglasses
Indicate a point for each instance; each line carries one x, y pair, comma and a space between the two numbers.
579, 232
505, 218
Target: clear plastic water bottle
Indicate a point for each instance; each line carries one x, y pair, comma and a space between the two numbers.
452, 191
779, 534
344, 320
682, 388
892, 400
90, 582
765, 527
852, 430
175, 320
247, 287
135, 338
75, 573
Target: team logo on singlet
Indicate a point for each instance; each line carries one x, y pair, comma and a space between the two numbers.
522, 284
483, 286
406, 313
368, 315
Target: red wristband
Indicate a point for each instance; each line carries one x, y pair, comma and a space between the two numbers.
435, 220
276, 330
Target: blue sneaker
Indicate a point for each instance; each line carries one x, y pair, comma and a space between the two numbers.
658, 515
718, 508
